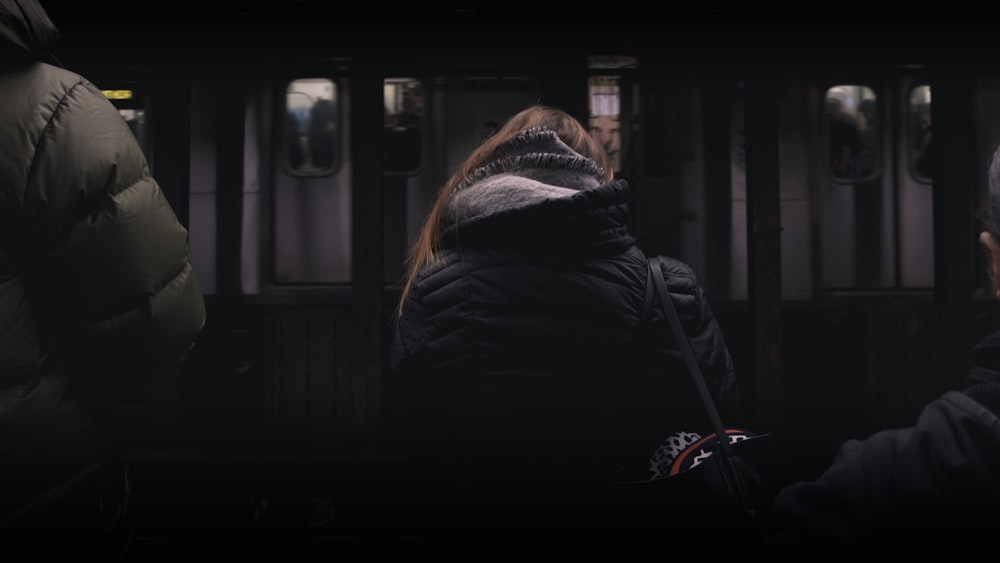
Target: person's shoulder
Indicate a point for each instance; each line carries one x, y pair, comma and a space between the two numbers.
985, 395
59, 73
674, 267
950, 418
40, 80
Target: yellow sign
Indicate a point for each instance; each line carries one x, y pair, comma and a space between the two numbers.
118, 94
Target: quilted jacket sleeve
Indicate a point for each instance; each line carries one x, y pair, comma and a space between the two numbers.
112, 257
707, 339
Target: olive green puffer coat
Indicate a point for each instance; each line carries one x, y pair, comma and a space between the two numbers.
96, 291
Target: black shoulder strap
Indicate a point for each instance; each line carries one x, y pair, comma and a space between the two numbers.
660, 285
655, 279
650, 297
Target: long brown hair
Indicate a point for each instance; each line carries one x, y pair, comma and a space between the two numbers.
569, 130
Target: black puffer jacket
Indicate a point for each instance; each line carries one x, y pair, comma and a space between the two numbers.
524, 341
96, 291
934, 484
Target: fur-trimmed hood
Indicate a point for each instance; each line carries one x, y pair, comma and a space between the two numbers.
532, 167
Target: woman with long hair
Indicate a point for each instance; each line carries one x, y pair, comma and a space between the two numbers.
520, 354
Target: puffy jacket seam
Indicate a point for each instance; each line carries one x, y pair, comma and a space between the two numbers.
47, 128
59, 107
468, 290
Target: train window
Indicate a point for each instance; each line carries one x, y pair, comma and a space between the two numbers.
605, 115
606, 103
136, 120
403, 126
312, 127
852, 133
920, 134
129, 101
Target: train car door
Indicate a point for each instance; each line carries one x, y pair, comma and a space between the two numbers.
857, 250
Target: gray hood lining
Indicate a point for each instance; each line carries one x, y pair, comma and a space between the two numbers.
532, 167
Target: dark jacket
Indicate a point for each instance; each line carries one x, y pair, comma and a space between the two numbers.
522, 346
936, 483
96, 292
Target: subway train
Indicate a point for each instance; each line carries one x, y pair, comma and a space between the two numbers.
784, 158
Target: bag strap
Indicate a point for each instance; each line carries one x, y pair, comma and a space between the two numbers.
731, 475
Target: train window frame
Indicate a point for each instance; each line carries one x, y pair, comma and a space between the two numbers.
129, 98
913, 133
604, 114
337, 139
852, 107
391, 123
610, 109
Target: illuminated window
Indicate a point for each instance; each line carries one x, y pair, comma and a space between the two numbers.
403, 126
312, 127
605, 115
129, 102
920, 132
136, 119
852, 127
